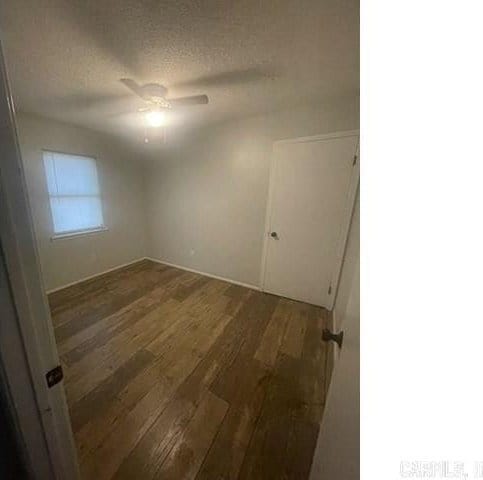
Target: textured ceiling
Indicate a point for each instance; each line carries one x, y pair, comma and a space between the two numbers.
65, 57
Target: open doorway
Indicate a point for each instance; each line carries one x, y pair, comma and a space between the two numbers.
137, 222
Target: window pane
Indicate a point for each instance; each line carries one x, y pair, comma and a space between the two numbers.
74, 192
70, 174
76, 213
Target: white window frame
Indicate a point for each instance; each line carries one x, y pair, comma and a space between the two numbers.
82, 231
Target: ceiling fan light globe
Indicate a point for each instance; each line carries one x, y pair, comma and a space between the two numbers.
155, 118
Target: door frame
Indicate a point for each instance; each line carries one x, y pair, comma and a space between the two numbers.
348, 209
30, 351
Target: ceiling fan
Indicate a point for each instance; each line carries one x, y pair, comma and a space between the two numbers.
154, 95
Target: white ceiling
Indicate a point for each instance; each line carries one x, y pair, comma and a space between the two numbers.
65, 57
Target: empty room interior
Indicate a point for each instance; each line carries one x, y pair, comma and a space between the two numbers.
192, 175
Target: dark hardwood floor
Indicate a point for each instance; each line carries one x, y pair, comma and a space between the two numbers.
172, 375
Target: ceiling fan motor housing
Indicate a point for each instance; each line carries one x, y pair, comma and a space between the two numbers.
154, 90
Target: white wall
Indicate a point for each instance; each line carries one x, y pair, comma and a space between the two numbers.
207, 197
200, 204
121, 180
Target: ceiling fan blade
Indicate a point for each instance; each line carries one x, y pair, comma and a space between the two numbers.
230, 78
187, 101
134, 87
81, 102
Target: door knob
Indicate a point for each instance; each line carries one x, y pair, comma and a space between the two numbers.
274, 234
328, 336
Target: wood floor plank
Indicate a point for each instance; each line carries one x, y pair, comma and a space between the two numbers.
91, 435
111, 325
102, 462
272, 339
185, 290
97, 401
190, 391
237, 296
130, 314
150, 452
133, 427
255, 315
293, 340
99, 429
114, 321
96, 311
99, 365
82, 298
300, 447
77, 296
188, 452
312, 379
170, 374
265, 455
271, 448
245, 333
243, 387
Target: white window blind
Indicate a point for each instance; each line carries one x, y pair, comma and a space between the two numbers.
74, 193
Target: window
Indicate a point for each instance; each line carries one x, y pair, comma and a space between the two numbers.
73, 186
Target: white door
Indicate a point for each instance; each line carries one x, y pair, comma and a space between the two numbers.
337, 454
27, 342
312, 187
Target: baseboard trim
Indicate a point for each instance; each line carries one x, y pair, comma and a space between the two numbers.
53, 290
169, 264
192, 270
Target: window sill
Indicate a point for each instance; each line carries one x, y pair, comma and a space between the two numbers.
80, 233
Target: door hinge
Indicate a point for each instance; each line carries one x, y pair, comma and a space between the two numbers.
330, 289
355, 160
54, 376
